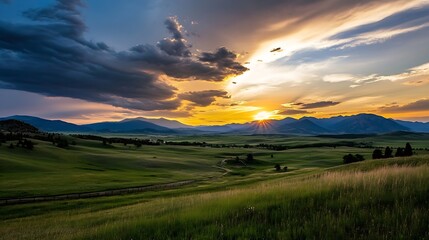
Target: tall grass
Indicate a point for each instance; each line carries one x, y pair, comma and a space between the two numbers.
388, 202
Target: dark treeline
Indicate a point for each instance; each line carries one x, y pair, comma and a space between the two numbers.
378, 153
388, 152
317, 145
125, 141
23, 141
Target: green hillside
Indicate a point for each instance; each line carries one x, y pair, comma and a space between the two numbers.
383, 199
316, 198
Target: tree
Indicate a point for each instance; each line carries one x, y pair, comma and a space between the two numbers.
408, 151
377, 154
249, 157
277, 167
399, 152
359, 157
349, 158
388, 152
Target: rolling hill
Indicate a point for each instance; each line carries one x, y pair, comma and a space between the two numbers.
12, 125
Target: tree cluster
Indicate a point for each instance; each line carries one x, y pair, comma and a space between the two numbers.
388, 152
22, 143
350, 158
404, 152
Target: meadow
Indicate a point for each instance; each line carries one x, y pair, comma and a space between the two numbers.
317, 198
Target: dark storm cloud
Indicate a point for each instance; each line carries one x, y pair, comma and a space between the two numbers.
320, 104
51, 57
203, 98
156, 60
225, 60
420, 105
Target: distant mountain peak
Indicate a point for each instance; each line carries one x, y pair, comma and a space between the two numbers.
164, 122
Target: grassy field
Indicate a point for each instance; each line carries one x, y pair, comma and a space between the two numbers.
380, 199
318, 198
91, 166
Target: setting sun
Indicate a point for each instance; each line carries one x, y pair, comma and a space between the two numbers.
264, 115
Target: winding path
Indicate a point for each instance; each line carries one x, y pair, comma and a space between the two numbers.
113, 192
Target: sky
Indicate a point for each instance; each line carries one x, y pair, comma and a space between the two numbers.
207, 62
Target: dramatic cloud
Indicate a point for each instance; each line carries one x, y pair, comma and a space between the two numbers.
203, 98
51, 57
175, 46
403, 22
417, 106
224, 60
320, 104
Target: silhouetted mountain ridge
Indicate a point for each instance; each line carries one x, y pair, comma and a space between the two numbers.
355, 124
129, 126
49, 125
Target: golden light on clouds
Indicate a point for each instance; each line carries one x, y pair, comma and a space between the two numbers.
288, 59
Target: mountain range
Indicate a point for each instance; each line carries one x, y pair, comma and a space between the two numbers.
355, 124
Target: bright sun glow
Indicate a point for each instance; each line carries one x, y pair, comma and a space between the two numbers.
262, 116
